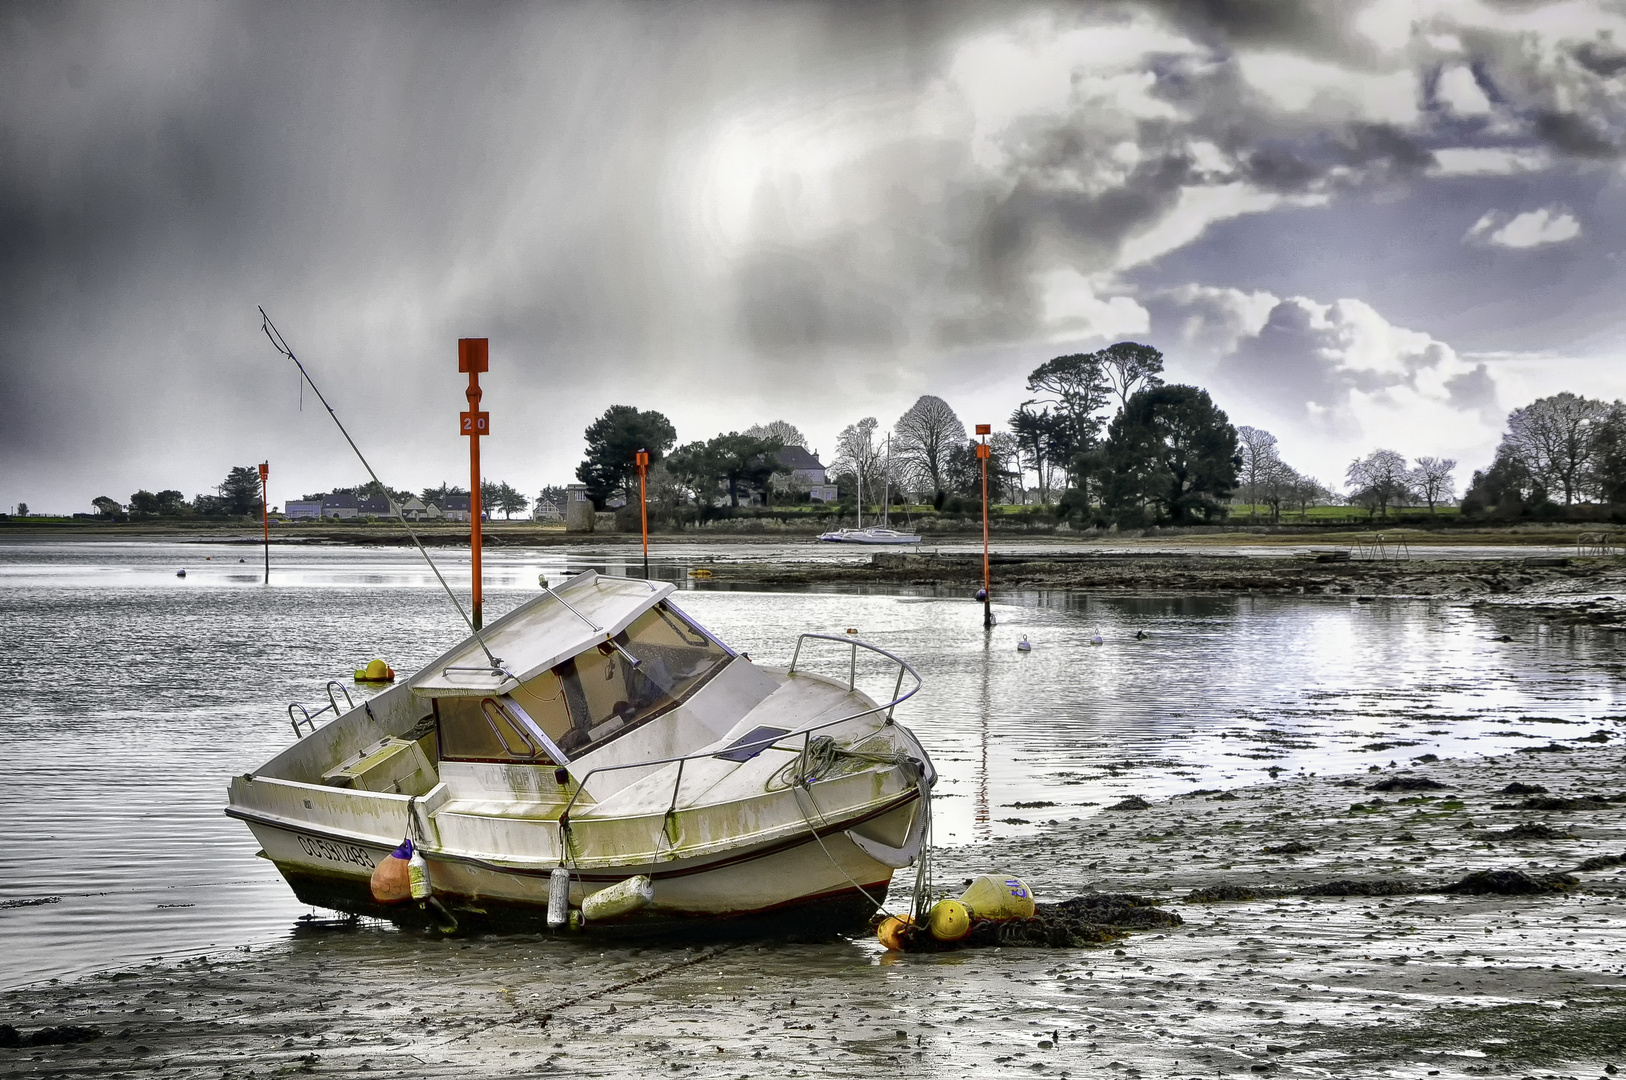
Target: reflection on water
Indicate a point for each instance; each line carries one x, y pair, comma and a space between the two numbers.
132, 695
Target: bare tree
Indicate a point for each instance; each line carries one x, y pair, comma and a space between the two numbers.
1259, 458
1278, 482
1131, 367
1552, 438
1379, 479
786, 432
857, 452
1431, 479
922, 439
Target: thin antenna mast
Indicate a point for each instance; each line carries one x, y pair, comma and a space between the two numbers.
277, 342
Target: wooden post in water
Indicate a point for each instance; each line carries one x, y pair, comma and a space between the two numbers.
265, 516
473, 357
643, 503
983, 451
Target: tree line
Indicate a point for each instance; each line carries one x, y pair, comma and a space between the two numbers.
1561, 450
239, 496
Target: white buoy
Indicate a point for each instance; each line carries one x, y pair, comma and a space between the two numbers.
418, 875
1023, 646
1095, 639
622, 898
558, 898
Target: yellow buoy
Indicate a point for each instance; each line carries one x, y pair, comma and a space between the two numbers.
950, 920
890, 932
375, 671
999, 897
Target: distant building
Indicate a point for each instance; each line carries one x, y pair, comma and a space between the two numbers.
546, 510
376, 506
340, 505
807, 473
578, 509
308, 509
455, 508
415, 510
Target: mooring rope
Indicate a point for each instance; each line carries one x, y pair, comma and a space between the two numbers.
648, 976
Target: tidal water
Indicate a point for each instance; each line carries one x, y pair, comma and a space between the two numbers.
131, 695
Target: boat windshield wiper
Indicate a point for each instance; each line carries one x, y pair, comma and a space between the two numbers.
278, 343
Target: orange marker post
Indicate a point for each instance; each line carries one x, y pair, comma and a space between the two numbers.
983, 452
643, 503
265, 516
473, 357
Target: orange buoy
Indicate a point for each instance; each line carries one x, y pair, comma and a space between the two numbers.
891, 931
391, 882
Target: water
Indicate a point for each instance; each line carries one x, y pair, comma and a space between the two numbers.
132, 696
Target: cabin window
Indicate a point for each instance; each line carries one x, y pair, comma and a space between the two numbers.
481, 729
607, 696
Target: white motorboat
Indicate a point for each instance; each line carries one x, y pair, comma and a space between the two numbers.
598, 737
875, 534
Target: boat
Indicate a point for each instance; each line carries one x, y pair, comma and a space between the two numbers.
875, 534
598, 741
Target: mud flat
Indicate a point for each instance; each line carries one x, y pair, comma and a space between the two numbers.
1339, 955
1562, 582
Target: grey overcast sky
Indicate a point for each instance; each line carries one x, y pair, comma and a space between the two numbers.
1357, 224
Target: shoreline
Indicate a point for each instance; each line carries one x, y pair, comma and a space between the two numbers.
1375, 985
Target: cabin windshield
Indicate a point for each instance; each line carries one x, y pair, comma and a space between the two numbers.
608, 697
589, 699
484, 729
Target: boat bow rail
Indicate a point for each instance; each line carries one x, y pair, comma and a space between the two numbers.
750, 749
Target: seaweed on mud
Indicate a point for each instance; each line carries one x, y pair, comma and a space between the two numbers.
1588, 1026
1407, 783
1553, 802
1292, 847
1133, 802
1550, 748
1602, 862
1226, 892
1511, 883
1529, 830
11, 1038
1517, 788
1091, 919
1372, 887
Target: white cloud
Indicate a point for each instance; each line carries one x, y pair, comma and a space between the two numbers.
1333, 379
1196, 209
1298, 84
1533, 228
1490, 160
1074, 311
1460, 92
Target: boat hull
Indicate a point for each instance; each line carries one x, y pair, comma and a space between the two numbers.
807, 882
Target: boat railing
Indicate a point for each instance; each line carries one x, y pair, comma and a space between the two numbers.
308, 718
899, 696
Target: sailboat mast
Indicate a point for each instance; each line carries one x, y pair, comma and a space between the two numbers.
858, 466
886, 485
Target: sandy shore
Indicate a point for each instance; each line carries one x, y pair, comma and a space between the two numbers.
1419, 984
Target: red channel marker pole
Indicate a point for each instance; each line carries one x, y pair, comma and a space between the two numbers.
265, 516
983, 451
473, 357
643, 504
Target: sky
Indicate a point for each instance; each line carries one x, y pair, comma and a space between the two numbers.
1358, 225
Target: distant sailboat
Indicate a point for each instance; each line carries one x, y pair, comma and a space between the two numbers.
875, 534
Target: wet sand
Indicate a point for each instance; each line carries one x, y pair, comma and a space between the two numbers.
1411, 985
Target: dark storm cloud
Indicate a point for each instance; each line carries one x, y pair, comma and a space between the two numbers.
388, 177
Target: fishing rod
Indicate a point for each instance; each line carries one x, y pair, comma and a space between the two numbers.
277, 342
